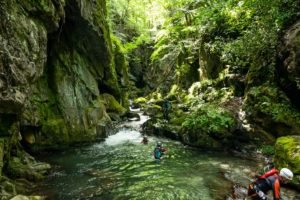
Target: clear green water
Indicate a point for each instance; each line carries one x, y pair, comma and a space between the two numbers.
123, 168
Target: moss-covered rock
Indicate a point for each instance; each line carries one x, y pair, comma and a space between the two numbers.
56, 130
200, 140
271, 110
152, 110
96, 114
7, 188
56, 57
21, 167
48, 11
121, 66
80, 65
287, 154
112, 105
175, 93
157, 127
140, 100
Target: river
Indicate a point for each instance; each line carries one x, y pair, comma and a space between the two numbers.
123, 168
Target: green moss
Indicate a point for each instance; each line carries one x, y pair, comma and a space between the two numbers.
56, 131
179, 119
176, 93
45, 11
10, 187
154, 97
18, 169
268, 150
111, 104
110, 74
140, 100
121, 66
287, 153
119, 58
152, 109
272, 102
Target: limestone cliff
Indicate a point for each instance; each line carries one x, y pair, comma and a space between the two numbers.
58, 79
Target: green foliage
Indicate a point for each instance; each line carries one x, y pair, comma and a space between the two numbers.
287, 153
243, 33
140, 100
136, 42
210, 119
132, 18
268, 150
271, 102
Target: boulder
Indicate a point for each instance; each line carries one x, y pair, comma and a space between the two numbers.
287, 154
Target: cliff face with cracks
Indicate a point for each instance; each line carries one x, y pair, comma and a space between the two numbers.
58, 77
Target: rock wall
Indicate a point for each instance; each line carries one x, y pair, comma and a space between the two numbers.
289, 63
273, 101
58, 76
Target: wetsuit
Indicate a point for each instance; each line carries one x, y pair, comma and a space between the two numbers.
264, 185
166, 108
159, 152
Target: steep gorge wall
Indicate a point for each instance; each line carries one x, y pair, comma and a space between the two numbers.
58, 80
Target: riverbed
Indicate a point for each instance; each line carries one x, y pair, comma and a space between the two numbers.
121, 167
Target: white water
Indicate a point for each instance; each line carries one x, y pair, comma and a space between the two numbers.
124, 136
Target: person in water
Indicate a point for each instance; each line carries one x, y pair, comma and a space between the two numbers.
145, 140
271, 180
166, 107
159, 151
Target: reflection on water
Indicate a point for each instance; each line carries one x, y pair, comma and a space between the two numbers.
123, 168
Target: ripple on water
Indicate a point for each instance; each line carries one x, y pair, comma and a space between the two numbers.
123, 168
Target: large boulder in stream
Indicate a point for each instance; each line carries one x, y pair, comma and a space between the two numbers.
287, 154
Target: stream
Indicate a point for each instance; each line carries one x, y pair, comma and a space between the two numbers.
123, 168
